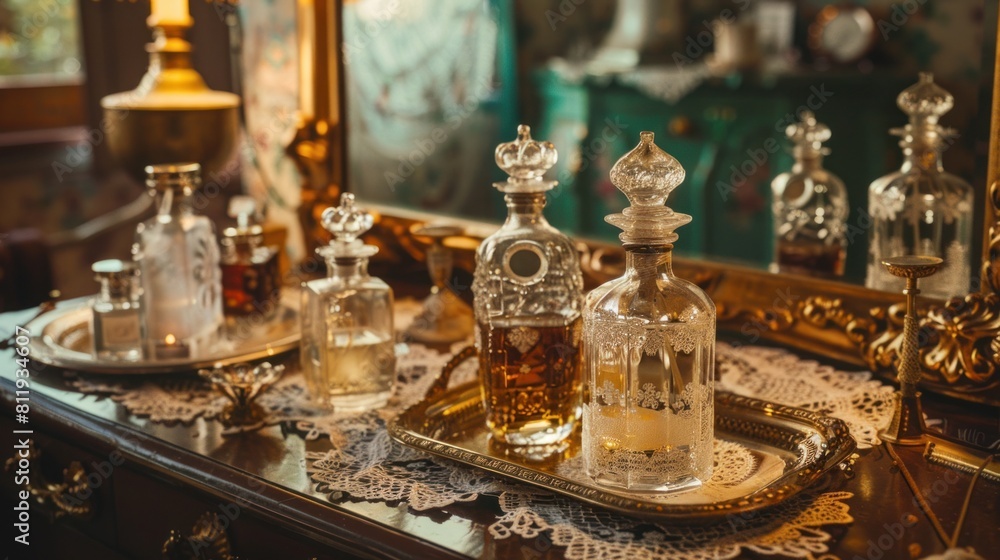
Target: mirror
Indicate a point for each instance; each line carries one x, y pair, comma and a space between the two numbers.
433, 86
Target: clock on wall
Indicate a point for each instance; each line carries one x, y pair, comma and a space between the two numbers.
842, 34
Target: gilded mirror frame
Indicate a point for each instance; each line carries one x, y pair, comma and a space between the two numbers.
960, 342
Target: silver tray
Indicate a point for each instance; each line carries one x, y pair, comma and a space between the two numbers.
61, 338
793, 449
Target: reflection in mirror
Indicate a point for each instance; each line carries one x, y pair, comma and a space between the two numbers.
433, 87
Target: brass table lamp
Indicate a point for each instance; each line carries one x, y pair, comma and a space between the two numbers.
171, 116
907, 425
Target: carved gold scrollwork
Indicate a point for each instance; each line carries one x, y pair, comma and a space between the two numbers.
965, 341
991, 264
207, 541
71, 497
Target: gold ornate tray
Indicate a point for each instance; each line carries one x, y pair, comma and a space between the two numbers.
792, 449
61, 338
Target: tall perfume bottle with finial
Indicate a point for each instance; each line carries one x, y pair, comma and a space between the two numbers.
347, 350
810, 207
922, 209
528, 297
178, 259
648, 344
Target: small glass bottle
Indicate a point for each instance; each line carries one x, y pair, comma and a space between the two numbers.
116, 323
251, 280
810, 207
922, 209
649, 342
528, 297
348, 353
178, 258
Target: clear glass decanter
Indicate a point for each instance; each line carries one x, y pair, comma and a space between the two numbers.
251, 281
810, 207
528, 297
178, 258
648, 344
348, 355
116, 323
922, 209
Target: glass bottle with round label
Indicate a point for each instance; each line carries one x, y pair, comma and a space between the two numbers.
528, 297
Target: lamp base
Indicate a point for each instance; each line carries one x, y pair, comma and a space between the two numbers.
907, 425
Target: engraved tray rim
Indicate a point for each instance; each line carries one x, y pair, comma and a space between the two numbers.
766, 423
71, 315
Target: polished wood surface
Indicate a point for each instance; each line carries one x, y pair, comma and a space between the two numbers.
170, 474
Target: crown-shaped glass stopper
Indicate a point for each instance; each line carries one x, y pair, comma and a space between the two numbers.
925, 102
809, 134
525, 160
647, 175
347, 223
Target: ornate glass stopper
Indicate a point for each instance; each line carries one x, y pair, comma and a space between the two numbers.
647, 175
809, 134
525, 160
347, 223
925, 102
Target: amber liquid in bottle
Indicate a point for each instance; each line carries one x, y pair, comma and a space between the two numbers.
531, 381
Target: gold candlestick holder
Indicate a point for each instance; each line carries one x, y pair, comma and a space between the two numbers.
172, 115
907, 425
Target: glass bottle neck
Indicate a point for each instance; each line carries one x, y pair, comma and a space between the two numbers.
525, 209
922, 156
113, 291
347, 269
173, 203
807, 161
646, 260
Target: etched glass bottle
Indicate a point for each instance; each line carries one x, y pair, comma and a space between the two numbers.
178, 258
251, 281
810, 207
527, 289
116, 323
347, 349
648, 345
922, 209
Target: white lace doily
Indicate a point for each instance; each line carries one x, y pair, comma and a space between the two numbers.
366, 463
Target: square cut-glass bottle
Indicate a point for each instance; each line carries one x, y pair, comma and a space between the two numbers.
347, 349
649, 346
528, 295
116, 321
178, 258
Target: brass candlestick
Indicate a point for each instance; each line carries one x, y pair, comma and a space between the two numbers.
907, 425
444, 317
171, 116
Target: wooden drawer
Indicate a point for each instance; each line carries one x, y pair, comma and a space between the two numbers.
84, 504
149, 508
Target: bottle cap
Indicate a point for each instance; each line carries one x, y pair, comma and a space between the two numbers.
347, 223
246, 233
925, 102
525, 161
117, 274
647, 175
809, 134
177, 176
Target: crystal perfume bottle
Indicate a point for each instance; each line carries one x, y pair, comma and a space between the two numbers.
527, 287
810, 207
116, 323
922, 209
649, 340
178, 258
251, 282
348, 355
